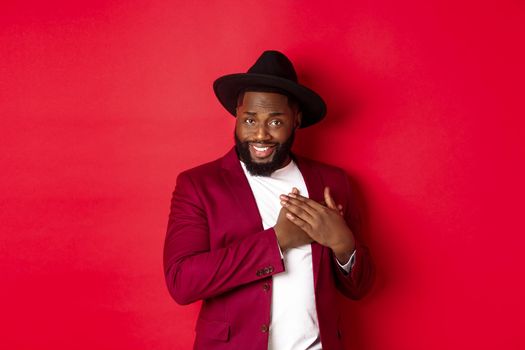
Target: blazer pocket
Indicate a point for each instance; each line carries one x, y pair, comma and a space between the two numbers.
213, 329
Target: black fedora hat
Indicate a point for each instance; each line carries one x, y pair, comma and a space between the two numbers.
275, 72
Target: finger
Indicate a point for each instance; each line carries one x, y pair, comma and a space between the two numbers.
310, 202
294, 191
328, 199
300, 209
299, 222
300, 202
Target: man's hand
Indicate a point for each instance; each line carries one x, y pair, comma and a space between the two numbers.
288, 234
324, 224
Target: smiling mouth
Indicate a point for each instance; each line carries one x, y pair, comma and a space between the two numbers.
261, 151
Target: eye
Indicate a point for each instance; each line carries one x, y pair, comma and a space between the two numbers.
276, 122
249, 121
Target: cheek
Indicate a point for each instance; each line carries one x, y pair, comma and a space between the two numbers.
282, 135
240, 132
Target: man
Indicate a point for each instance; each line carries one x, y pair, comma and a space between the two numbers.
265, 238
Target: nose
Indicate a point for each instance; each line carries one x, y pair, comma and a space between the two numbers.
262, 133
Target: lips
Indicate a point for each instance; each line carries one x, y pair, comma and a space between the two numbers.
261, 151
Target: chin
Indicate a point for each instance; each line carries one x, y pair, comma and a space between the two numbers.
262, 161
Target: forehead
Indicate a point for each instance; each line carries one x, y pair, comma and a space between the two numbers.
264, 100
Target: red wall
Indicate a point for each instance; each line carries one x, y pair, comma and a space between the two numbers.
102, 104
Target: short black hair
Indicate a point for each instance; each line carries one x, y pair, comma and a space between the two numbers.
292, 101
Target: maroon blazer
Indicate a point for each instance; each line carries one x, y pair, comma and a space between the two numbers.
217, 251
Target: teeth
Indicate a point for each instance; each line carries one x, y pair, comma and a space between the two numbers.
260, 149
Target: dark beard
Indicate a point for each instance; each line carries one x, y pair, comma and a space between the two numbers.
280, 156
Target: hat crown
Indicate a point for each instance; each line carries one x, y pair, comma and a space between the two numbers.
276, 64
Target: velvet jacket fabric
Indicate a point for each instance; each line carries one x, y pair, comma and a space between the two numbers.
217, 251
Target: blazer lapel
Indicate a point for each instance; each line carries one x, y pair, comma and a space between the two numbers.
240, 188
315, 186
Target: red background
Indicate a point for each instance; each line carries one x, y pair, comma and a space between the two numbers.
103, 103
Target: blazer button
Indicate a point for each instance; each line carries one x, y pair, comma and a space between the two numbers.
264, 328
266, 287
270, 268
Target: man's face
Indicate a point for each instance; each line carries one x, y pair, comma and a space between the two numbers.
264, 131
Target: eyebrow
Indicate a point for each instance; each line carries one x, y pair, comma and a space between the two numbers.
272, 114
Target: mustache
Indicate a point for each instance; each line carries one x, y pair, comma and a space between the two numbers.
260, 143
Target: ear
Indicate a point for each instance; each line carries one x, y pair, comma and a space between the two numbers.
298, 119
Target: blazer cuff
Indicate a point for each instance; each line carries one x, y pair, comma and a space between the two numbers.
347, 267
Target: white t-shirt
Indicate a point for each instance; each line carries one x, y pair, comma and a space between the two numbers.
294, 322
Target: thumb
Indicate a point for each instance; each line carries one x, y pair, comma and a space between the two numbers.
328, 199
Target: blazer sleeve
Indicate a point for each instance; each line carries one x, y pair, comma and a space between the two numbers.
193, 271
359, 281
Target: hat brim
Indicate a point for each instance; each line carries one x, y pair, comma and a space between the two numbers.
228, 87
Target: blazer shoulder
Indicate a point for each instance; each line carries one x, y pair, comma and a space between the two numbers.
210, 171
202, 172
202, 169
